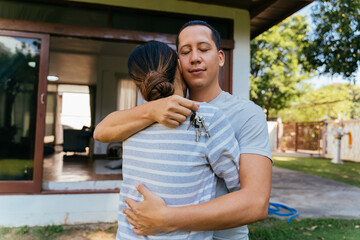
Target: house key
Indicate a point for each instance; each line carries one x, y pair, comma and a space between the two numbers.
198, 122
192, 119
202, 122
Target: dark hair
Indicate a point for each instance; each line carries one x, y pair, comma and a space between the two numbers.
153, 67
214, 33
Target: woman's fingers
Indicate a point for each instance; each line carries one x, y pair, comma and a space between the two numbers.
172, 111
184, 111
186, 103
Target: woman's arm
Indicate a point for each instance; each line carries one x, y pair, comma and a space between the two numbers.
119, 125
238, 208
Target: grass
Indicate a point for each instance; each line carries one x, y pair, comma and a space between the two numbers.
25, 232
269, 229
321, 229
103, 231
348, 173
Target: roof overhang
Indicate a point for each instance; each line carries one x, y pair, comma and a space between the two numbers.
263, 13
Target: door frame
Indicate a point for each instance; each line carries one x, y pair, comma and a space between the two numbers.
34, 185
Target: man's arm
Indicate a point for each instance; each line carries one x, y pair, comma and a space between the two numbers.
119, 125
249, 204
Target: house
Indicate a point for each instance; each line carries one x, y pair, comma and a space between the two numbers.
50, 49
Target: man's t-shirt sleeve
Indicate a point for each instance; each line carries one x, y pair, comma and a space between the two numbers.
253, 136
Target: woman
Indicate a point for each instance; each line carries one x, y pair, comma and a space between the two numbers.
173, 162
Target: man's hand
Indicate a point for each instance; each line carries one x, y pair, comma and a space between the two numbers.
149, 216
245, 206
172, 111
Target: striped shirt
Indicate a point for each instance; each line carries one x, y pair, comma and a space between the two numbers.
171, 164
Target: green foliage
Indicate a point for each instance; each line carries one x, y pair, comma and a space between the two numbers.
277, 61
327, 101
47, 232
22, 230
335, 43
348, 173
111, 229
4, 231
300, 229
355, 98
52, 232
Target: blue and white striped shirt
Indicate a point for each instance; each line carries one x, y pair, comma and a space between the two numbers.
171, 164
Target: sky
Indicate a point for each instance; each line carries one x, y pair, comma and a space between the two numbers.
320, 81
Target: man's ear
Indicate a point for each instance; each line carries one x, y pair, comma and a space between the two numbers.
179, 66
221, 58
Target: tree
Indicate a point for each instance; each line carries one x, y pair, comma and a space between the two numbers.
335, 47
277, 65
326, 102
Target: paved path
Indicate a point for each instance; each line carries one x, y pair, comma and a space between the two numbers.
315, 197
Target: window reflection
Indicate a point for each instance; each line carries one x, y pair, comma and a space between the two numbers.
19, 70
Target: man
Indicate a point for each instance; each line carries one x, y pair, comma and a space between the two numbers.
200, 58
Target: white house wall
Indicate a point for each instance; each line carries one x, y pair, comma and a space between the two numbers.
241, 18
56, 209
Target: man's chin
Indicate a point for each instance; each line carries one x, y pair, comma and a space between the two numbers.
196, 83
196, 86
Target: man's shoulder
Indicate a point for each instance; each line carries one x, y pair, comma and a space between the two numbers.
228, 102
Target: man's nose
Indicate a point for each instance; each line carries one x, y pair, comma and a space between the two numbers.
195, 57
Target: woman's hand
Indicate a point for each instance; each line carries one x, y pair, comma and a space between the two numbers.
148, 217
172, 111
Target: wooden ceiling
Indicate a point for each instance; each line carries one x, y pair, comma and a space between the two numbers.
263, 13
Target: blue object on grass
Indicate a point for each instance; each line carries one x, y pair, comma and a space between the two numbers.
274, 208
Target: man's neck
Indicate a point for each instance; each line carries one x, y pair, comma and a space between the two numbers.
204, 95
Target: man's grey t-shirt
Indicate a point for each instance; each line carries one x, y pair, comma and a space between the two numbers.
250, 127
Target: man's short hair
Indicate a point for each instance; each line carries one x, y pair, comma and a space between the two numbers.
214, 33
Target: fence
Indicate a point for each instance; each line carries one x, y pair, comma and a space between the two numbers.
300, 136
312, 138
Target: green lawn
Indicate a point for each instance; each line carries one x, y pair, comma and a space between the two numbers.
348, 173
103, 231
269, 229
321, 229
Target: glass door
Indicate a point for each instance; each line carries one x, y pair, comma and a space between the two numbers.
23, 72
